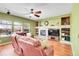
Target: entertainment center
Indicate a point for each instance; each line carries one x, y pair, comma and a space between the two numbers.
60, 33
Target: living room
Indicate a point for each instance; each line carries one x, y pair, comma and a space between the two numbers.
39, 28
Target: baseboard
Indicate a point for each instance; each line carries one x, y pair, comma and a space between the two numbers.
5, 43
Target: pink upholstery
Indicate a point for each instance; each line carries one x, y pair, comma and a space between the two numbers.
26, 49
29, 49
15, 45
27, 46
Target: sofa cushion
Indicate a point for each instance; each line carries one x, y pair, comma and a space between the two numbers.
33, 41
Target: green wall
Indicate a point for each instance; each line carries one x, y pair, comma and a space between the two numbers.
19, 19
53, 20
75, 29
3, 16
56, 20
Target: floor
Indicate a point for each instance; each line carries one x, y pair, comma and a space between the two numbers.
59, 49
7, 50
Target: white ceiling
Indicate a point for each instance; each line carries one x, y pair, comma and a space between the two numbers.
48, 9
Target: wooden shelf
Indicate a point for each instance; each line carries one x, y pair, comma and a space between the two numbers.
65, 26
65, 29
65, 21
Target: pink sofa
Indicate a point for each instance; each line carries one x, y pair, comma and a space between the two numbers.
27, 46
29, 49
15, 45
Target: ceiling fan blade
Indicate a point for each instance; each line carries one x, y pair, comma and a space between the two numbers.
36, 15
38, 12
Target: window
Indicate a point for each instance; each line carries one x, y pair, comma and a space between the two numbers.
17, 26
5, 27
26, 27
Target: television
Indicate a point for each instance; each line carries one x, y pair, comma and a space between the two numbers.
43, 32
53, 32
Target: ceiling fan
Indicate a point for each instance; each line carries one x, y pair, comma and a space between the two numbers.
35, 13
32, 11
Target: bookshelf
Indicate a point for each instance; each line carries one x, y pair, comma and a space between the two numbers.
65, 29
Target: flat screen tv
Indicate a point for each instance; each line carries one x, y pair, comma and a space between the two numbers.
43, 32
53, 32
